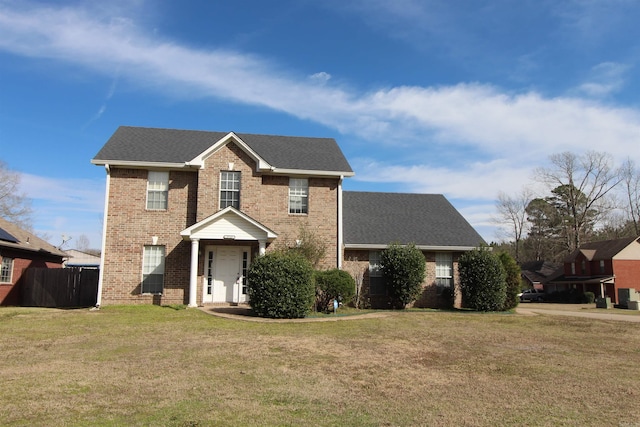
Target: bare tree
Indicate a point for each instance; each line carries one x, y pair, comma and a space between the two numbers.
82, 243
357, 272
631, 179
512, 215
14, 205
586, 182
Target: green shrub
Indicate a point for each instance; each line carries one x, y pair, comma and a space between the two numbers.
403, 268
513, 282
280, 286
333, 284
482, 280
589, 298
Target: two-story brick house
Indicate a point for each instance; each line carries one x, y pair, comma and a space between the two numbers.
600, 267
187, 211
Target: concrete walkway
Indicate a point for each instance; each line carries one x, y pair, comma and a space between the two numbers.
572, 310
243, 312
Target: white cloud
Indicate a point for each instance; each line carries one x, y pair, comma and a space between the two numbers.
526, 126
320, 77
66, 206
497, 137
605, 79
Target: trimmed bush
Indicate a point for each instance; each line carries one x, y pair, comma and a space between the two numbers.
589, 298
512, 279
281, 286
482, 280
333, 284
403, 268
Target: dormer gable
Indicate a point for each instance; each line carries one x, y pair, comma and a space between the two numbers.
261, 163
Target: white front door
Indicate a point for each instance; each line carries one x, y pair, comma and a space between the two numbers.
225, 270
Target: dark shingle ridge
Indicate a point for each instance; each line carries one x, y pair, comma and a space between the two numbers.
604, 249
161, 145
378, 218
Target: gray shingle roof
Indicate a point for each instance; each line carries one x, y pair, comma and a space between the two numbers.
23, 240
428, 220
138, 144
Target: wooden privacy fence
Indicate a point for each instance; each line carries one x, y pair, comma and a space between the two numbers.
60, 287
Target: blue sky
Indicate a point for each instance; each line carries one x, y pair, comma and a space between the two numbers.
464, 98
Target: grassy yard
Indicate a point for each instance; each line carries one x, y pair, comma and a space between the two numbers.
153, 365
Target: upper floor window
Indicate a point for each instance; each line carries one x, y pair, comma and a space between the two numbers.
602, 266
298, 195
444, 270
157, 190
229, 189
583, 267
6, 270
573, 268
153, 269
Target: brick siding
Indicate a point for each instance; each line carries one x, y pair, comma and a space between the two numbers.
194, 196
358, 260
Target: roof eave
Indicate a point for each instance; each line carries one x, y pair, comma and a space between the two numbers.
137, 164
378, 246
309, 172
23, 247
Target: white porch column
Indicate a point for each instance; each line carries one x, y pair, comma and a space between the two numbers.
193, 277
262, 245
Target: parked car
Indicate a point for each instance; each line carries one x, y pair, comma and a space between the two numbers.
532, 295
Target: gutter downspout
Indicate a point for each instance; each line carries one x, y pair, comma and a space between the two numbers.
340, 236
104, 236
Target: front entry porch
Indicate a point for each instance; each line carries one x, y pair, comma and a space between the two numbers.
228, 237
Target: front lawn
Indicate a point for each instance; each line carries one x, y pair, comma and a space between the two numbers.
167, 366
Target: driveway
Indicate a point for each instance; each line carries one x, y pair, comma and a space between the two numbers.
578, 310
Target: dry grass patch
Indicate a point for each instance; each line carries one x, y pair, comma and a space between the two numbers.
159, 366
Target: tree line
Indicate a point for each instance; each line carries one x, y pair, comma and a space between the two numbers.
584, 198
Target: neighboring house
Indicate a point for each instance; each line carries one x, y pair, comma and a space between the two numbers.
79, 259
187, 211
536, 273
20, 250
373, 220
600, 267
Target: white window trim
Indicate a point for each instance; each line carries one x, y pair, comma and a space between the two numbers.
299, 191
9, 268
158, 182
220, 189
444, 269
155, 268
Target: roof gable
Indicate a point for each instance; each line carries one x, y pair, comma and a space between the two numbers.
602, 250
228, 224
428, 220
137, 146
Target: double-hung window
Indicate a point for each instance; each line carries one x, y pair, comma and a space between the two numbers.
444, 271
376, 279
229, 189
157, 190
6, 270
153, 269
298, 195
